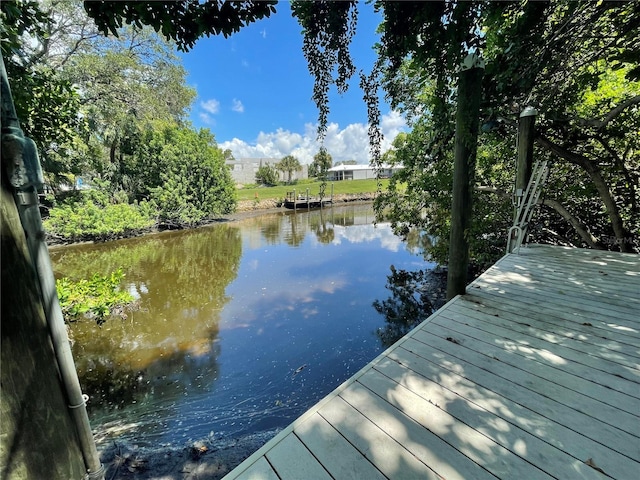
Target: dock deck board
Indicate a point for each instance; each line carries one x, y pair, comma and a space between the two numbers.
534, 373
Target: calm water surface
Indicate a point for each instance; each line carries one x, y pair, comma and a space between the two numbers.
242, 325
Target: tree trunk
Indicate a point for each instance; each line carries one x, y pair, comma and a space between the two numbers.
620, 232
577, 225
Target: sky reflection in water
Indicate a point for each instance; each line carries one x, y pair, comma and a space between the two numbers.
242, 327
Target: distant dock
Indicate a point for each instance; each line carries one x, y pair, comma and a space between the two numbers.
295, 201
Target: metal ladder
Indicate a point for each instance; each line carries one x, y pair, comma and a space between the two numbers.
526, 204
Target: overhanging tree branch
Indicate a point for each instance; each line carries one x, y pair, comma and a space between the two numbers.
578, 226
599, 182
613, 113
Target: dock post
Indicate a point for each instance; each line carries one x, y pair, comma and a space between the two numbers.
295, 200
464, 164
524, 162
307, 199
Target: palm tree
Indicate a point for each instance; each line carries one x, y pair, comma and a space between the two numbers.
289, 164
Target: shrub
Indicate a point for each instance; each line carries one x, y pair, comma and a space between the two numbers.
96, 298
267, 175
84, 219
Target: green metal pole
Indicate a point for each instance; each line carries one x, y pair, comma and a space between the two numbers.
21, 165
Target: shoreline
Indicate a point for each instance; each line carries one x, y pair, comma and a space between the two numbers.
199, 459
244, 209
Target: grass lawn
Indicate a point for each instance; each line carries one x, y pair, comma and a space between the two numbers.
341, 187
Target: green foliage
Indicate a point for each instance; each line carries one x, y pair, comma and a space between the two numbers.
322, 162
267, 175
46, 103
182, 21
90, 215
327, 31
186, 176
96, 298
288, 165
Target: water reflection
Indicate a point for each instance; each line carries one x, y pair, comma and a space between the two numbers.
415, 295
167, 347
243, 325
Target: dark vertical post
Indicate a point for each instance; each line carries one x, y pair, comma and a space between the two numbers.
466, 139
526, 132
524, 161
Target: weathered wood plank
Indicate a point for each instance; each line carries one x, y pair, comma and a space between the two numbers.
606, 297
484, 451
544, 403
581, 365
571, 311
629, 352
339, 457
259, 470
291, 459
510, 436
586, 334
516, 290
512, 410
575, 262
495, 360
573, 256
427, 444
583, 281
376, 443
551, 320
560, 324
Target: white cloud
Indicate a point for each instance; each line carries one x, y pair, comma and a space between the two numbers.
237, 106
263, 32
206, 118
349, 143
212, 105
368, 233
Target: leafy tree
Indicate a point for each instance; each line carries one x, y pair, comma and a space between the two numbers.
183, 21
187, 178
541, 53
288, 165
322, 162
46, 104
126, 84
267, 175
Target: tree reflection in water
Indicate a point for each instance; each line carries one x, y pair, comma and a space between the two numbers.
167, 348
414, 296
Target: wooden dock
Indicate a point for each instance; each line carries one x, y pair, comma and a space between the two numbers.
534, 373
297, 201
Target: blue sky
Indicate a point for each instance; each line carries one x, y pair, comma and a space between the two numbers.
254, 92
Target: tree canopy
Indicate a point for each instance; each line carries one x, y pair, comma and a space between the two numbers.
322, 162
112, 109
576, 62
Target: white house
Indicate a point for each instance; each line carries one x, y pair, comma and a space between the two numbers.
360, 172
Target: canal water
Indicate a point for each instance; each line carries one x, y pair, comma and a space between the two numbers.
243, 325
